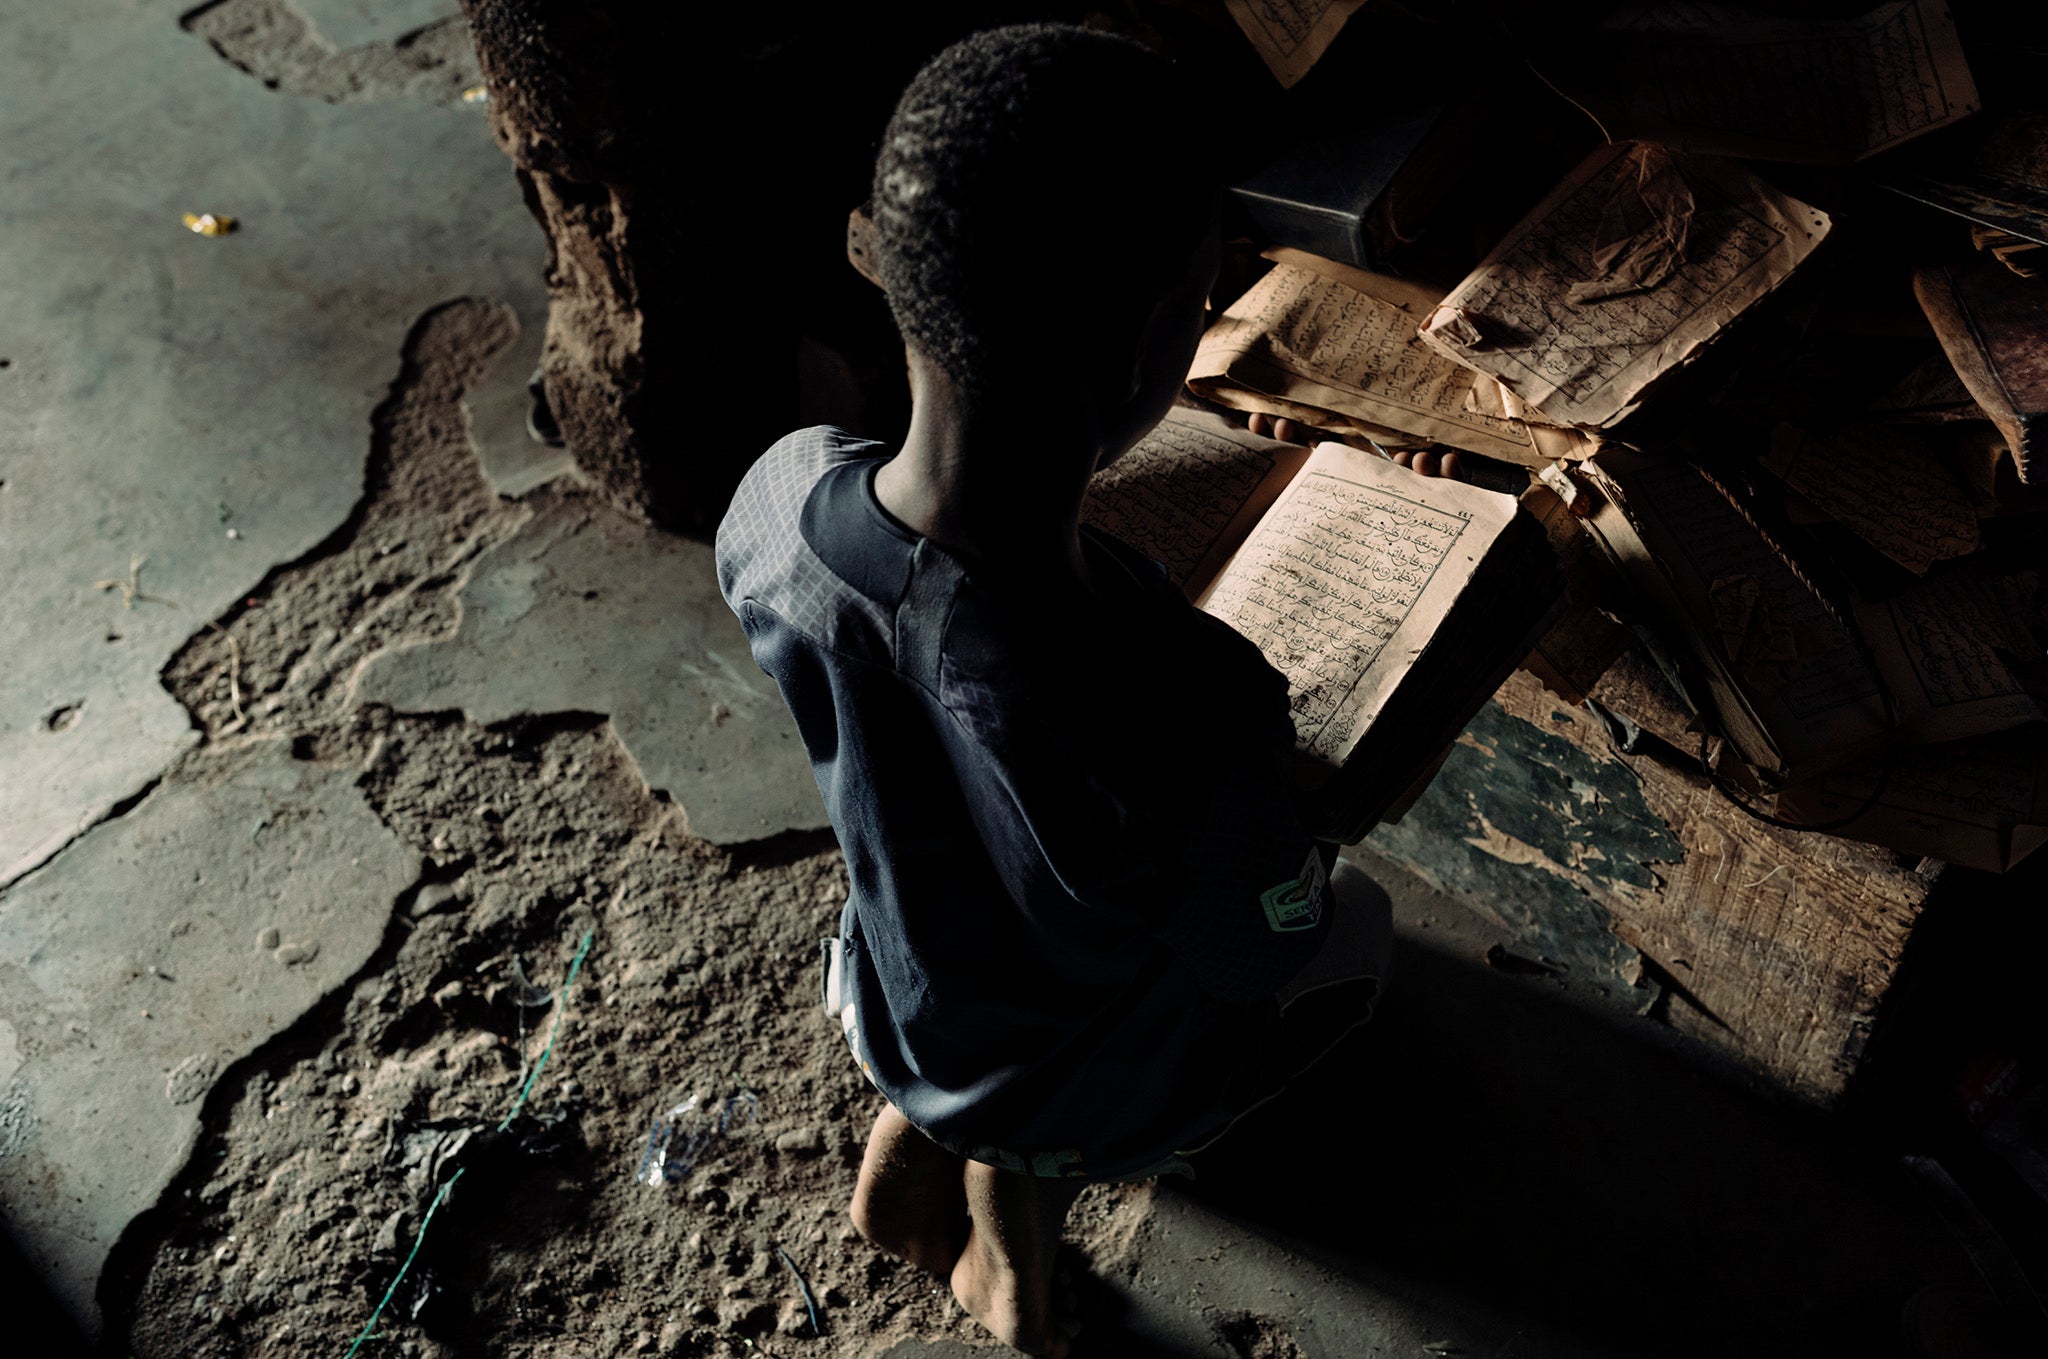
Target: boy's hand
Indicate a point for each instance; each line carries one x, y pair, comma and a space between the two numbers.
1428, 462
1431, 463
1272, 427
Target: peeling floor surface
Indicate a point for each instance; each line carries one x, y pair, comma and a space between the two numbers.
339, 716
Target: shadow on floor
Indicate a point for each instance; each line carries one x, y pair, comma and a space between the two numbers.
33, 1322
1484, 1140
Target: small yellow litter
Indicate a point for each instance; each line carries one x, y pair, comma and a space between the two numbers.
210, 223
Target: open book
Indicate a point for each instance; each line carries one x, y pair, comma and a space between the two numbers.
1394, 603
1336, 347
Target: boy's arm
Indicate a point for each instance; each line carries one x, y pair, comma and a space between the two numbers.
1251, 899
1208, 852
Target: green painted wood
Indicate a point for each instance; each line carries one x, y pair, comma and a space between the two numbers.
1515, 815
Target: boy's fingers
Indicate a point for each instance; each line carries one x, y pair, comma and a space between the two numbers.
1425, 463
1286, 431
1405, 458
1453, 467
1260, 424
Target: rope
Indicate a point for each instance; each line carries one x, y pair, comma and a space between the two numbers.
1884, 779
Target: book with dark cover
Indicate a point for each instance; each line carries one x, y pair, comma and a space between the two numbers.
1360, 178
1993, 325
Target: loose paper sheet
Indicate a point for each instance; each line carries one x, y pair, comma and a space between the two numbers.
1554, 443
1584, 642
1981, 803
1346, 578
1316, 336
1886, 485
1932, 393
1937, 648
1829, 92
1784, 674
1587, 362
1190, 490
1291, 35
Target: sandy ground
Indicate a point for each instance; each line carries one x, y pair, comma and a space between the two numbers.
321, 1155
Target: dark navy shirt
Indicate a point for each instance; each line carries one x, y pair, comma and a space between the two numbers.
1074, 858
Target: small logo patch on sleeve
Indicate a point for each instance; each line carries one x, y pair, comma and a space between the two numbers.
1297, 904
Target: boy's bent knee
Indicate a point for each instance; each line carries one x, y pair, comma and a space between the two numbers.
872, 1218
924, 1230
909, 1199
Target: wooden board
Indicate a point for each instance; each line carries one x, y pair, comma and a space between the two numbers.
1779, 945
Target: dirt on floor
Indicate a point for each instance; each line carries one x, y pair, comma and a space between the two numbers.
695, 976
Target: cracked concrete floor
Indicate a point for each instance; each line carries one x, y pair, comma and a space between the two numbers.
186, 428
338, 716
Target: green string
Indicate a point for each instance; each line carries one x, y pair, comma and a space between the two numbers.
371, 1324
561, 1004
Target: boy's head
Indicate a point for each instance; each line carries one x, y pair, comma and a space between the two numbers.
1040, 217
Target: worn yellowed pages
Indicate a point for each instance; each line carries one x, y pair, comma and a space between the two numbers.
1787, 681
1981, 803
1622, 274
1290, 36
1315, 338
1584, 642
1190, 491
1938, 650
1554, 442
1886, 485
1823, 91
1345, 579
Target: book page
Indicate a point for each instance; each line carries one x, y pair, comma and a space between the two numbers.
1346, 578
1886, 485
1981, 803
1584, 642
1290, 36
2001, 183
1938, 647
1786, 679
1622, 274
1326, 337
1819, 91
1190, 490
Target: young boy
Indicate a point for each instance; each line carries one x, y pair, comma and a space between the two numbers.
1080, 887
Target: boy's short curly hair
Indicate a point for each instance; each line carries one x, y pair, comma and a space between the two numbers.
1035, 187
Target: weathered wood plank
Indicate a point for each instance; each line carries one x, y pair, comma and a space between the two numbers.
1779, 945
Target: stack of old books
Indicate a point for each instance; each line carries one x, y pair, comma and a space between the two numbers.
1783, 446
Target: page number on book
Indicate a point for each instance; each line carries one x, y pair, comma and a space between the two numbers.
1297, 904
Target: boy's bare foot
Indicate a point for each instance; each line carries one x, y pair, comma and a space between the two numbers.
910, 1198
1006, 1277
1427, 462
